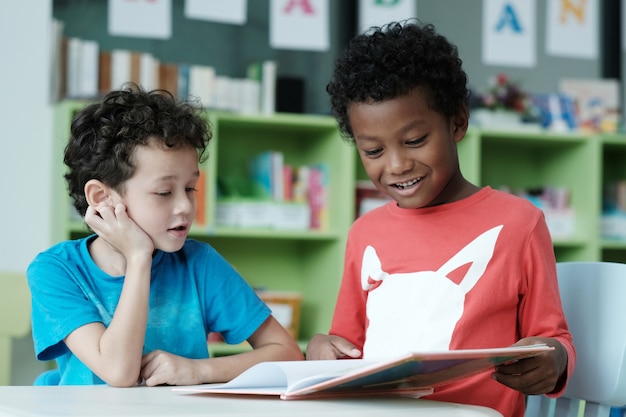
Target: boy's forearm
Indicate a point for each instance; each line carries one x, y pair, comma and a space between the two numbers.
225, 368
121, 345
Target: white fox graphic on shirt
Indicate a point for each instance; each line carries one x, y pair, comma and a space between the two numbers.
418, 311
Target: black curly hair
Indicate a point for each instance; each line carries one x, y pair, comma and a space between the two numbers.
104, 135
392, 60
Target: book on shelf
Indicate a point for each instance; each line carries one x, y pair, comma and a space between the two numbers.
263, 173
278, 172
168, 76
264, 74
267, 170
202, 84
300, 180
318, 178
88, 79
104, 72
556, 111
414, 374
287, 182
597, 102
149, 71
183, 81
81, 70
121, 68
242, 212
81, 76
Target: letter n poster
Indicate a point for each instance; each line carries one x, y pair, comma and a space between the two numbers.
572, 28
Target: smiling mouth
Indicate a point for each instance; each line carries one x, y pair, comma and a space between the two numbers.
403, 185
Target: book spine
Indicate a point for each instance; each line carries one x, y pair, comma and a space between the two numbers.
88, 76
104, 72
168, 77
268, 87
120, 68
183, 81
261, 173
202, 84
288, 182
73, 67
148, 72
277, 175
317, 197
300, 184
135, 67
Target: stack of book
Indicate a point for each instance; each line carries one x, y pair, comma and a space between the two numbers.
283, 196
82, 70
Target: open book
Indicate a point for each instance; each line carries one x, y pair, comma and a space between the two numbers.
414, 374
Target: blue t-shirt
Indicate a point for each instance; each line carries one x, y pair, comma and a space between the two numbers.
192, 292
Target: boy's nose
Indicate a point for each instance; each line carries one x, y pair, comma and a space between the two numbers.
398, 163
185, 204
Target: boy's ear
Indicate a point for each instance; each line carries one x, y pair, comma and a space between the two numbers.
460, 123
98, 194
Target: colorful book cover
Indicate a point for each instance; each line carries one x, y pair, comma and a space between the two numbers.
261, 173
318, 177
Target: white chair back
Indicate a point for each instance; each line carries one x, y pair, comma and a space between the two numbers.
594, 301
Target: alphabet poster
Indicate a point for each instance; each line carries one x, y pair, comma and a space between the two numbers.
380, 12
509, 33
231, 11
141, 18
572, 28
299, 24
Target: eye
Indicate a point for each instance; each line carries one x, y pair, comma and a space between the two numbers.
190, 190
372, 152
163, 193
416, 142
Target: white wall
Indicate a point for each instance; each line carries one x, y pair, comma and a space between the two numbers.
25, 147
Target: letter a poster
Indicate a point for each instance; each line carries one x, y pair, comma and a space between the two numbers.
299, 24
509, 33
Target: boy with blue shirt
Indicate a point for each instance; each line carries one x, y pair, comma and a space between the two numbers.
134, 302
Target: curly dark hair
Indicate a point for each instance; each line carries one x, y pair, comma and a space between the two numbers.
105, 134
392, 60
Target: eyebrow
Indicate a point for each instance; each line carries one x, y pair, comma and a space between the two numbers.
173, 177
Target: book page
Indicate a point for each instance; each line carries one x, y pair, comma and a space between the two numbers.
277, 377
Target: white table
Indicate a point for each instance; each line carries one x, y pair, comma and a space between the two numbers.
103, 401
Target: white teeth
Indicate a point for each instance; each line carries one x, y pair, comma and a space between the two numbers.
407, 184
